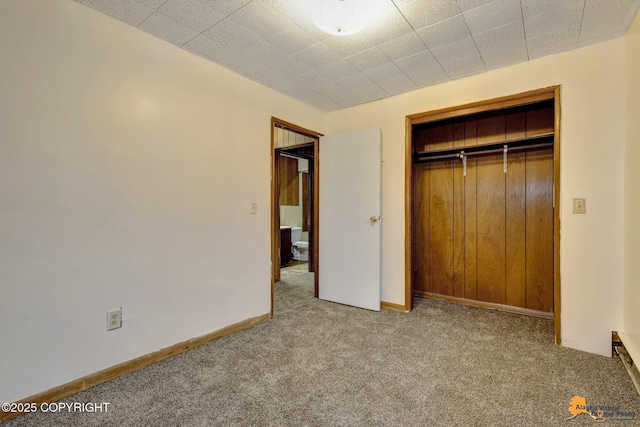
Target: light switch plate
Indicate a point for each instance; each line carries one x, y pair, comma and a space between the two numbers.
254, 208
579, 206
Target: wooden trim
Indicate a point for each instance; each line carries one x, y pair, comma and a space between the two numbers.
91, 380
408, 216
556, 216
295, 128
275, 215
393, 307
488, 305
316, 217
484, 106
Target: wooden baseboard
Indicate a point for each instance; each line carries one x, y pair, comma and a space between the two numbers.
393, 307
489, 305
113, 372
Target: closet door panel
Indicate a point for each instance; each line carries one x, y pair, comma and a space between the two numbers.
515, 230
470, 217
539, 230
491, 229
441, 227
458, 214
515, 211
422, 239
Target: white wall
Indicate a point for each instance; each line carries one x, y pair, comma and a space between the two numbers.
632, 194
592, 160
127, 169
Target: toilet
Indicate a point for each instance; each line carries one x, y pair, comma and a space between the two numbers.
299, 248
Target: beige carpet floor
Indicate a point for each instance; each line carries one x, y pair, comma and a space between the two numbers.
323, 364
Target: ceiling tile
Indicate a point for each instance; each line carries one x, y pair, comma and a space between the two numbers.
191, 13
384, 72
605, 19
565, 38
547, 53
368, 93
466, 5
152, 3
403, 46
445, 32
509, 36
298, 12
422, 14
463, 67
231, 35
337, 70
225, 7
423, 69
355, 81
312, 79
460, 48
492, 15
316, 56
503, 57
291, 38
345, 47
277, 29
290, 67
386, 23
259, 18
398, 84
168, 29
330, 90
545, 16
129, 11
263, 52
209, 49
368, 59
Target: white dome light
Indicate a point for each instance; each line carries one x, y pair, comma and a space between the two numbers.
341, 17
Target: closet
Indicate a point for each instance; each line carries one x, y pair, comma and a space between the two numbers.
483, 187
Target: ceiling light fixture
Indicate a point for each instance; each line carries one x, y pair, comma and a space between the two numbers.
341, 17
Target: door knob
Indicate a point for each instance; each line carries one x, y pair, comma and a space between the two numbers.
374, 219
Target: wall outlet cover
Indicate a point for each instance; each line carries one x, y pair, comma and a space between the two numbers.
114, 319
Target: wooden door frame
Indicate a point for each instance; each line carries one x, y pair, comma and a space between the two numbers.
275, 201
549, 93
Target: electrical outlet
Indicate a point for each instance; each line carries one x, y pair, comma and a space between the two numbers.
254, 208
579, 206
114, 319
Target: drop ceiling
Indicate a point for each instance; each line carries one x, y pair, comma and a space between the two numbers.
407, 45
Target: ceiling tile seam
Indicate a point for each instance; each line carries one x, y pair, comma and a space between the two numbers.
524, 30
421, 41
464, 18
584, 7
150, 15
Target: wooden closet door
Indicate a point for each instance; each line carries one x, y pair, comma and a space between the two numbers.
486, 235
539, 230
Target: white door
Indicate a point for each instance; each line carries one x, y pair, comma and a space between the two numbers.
349, 235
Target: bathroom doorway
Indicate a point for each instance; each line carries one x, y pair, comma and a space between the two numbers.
294, 215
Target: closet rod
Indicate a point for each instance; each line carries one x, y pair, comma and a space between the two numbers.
423, 157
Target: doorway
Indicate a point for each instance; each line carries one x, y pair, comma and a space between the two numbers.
294, 191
